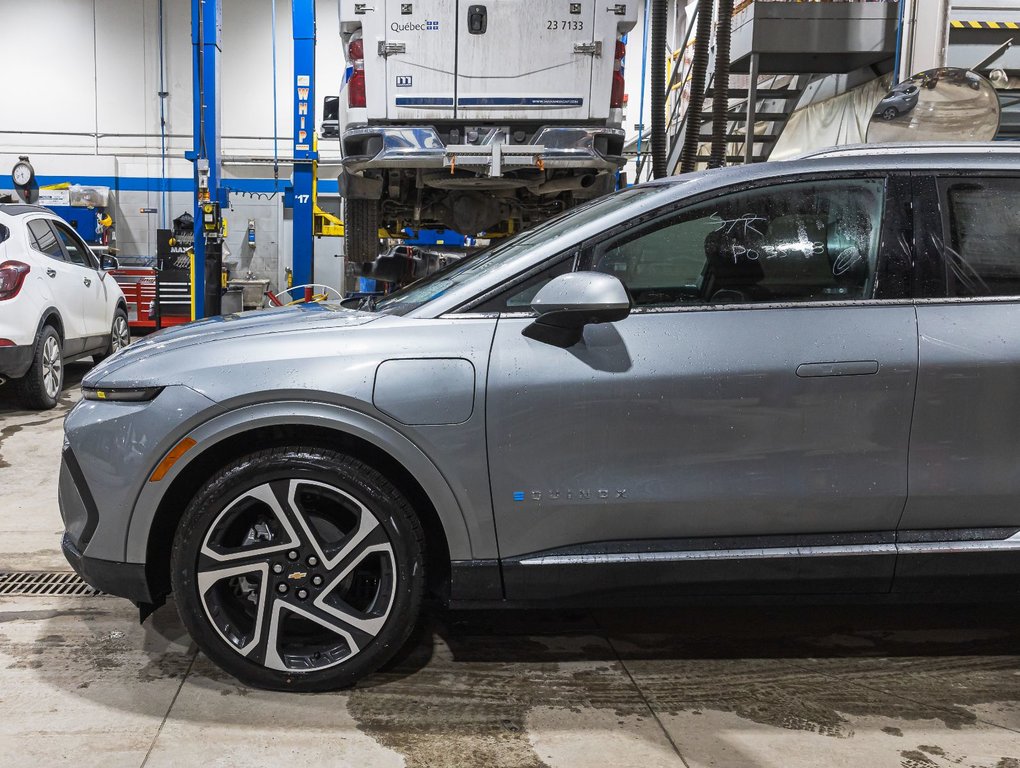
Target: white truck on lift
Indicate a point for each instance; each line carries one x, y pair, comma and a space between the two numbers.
481, 118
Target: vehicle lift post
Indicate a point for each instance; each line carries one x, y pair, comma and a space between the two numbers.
210, 197
305, 154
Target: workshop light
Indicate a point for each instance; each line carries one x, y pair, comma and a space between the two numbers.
619, 84
12, 277
356, 85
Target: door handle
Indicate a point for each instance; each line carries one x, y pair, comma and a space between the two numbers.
589, 49
88, 282
838, 368
51, 273
478, 19
391, 47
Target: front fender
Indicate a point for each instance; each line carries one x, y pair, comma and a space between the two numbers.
460, 531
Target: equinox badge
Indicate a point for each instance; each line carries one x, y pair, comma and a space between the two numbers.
571, 494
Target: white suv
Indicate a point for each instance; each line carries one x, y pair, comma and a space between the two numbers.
57, 303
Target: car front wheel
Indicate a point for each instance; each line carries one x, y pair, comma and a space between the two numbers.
299, 569
120, 336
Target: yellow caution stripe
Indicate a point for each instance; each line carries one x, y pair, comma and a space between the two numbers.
985, 24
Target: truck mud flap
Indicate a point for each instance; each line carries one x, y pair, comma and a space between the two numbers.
354, 187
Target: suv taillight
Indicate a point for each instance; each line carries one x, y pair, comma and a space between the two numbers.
356, 85
12, 277
616, 96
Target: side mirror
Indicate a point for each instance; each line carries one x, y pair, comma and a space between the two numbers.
330, 117
108, 262
569, 302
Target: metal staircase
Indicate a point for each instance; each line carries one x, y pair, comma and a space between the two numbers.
766, 111
803, 40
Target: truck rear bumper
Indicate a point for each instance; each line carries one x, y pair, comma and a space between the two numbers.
553, 147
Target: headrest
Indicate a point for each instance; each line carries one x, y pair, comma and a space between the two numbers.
732, 258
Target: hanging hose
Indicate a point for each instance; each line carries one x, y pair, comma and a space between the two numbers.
276, 146
699, 74
658, 85
721, 97
641, 104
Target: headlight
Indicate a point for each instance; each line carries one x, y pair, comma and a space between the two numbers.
126, 395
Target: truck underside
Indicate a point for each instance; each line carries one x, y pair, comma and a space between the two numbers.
499, 181
480, 118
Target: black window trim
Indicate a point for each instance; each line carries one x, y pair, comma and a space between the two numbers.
90, 258
495, 294
582, 249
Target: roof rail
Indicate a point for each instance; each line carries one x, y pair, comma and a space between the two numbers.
16, 209
918, 148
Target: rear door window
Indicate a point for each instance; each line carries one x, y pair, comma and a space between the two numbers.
44, 239
981, 224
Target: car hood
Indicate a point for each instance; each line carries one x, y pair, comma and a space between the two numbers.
229, 327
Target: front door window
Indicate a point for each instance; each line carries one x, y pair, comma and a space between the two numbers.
799, 242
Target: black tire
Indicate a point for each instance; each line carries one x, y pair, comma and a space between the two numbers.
361, 230
120, 336
890, 113
233, 514
39, 389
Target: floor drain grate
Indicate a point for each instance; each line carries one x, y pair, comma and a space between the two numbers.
45, 584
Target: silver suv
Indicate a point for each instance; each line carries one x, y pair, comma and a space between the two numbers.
796, 377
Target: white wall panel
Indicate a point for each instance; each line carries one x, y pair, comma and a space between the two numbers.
70, 55
49, 62
121, 68
107, 52
248, 75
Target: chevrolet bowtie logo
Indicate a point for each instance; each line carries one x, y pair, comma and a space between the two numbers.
297, 575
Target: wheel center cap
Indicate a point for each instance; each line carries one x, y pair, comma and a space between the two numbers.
297, 575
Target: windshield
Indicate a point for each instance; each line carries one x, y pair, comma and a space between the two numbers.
477, 265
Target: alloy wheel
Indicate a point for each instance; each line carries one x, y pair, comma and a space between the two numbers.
121, 333
53, 367
296, 575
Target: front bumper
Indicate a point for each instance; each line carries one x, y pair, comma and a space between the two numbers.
81, 517
373, 147
121, 579
15, 361
110, 449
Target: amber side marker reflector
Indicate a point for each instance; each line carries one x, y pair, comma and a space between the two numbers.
171, 458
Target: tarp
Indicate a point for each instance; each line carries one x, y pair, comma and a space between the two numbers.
834, 122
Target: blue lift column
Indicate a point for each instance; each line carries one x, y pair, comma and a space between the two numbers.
305, 154
210, 197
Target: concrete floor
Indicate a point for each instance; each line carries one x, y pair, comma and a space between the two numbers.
81, 683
